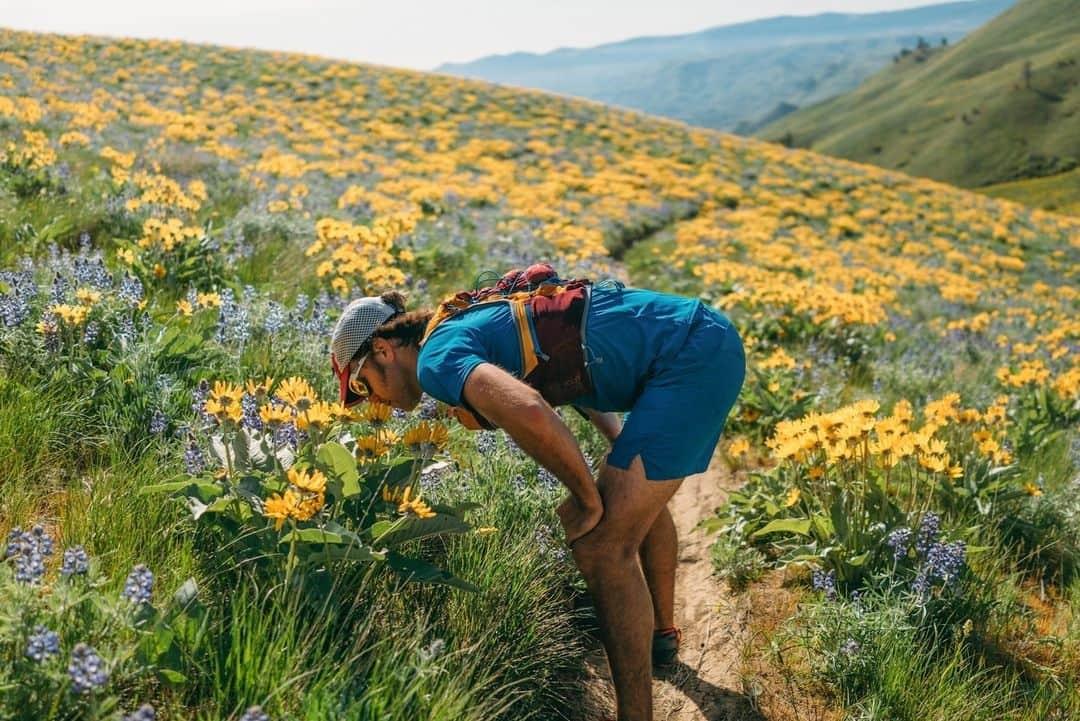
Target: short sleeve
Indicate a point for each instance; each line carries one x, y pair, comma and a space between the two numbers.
448, 357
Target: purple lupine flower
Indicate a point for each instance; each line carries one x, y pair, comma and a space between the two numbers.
275, 320
91, 332
428, 408
29, 550
87, 670
251, 419
545, 539
900, 541
145, 713
254, 713
76, 562
42, 644
945, 561
486, 443
158, 422
851, 647
198, 399
194, 460
58, 290
928, 533
547, 479
125, 330
15, 304
139, 586
921, 584
287, 435
131, 289
825, 582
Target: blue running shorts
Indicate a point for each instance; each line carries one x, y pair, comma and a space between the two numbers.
677, 419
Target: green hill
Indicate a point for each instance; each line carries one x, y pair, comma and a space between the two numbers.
1001, 105
734, 77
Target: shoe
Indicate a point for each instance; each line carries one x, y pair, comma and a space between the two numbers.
665, 646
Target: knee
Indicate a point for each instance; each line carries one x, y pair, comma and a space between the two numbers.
595, 555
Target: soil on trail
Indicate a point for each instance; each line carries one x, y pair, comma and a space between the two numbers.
705, 684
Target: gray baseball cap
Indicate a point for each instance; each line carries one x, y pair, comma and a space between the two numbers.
354, 328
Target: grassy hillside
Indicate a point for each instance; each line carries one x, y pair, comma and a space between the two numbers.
191, 521
1059, 193
967, 115
731, 77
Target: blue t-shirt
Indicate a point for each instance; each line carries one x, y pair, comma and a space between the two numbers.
626, 329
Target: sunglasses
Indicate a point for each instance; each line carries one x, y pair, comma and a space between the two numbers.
357, 384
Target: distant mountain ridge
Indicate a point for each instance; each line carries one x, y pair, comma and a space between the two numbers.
731, 77
1002, 105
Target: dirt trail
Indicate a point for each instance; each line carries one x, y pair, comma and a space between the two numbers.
705, 685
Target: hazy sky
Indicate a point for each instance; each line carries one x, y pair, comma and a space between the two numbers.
416, 34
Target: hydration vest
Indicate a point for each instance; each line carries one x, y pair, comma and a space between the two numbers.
554, 362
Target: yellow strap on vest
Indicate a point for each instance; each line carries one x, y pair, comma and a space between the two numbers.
518, 304
528, 350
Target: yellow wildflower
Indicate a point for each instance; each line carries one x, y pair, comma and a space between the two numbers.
297, 392
317, 415
738, 447
426, 437
793, 497
309, 481
369, 448
277, 508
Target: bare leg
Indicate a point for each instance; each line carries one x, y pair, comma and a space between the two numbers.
608, 559
659, 558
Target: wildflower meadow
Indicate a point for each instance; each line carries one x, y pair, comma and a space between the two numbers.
194, 528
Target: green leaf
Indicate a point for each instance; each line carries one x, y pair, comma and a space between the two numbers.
457, 509
410, 528
171, 677
353, 553
798, 526
823, 527
186, 594
321, 535
379, 528
398, 473
414, 569
198, 508
336, 461
859, 560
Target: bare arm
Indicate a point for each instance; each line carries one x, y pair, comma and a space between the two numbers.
523, 413
609, 424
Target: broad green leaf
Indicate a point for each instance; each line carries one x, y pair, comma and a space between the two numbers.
198, 508
379, 528
413, 569
859, 560
321, 535
457, 509
823, 526
839, 519
353, 553
171, 677
798, 526
336, 460
409, 528
398, 473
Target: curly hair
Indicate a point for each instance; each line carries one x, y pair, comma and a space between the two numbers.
405, 327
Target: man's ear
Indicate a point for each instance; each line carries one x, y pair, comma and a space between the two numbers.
383, 348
